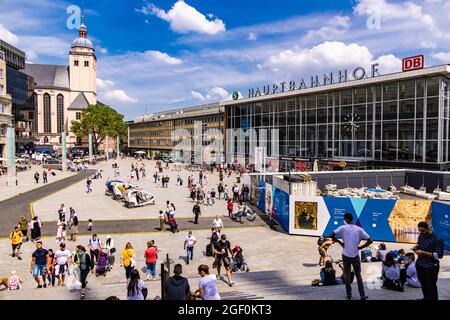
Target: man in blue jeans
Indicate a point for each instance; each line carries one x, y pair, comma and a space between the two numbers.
189, 246
38, 264
352, 236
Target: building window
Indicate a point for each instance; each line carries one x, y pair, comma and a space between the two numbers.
45, 139
34, 106
60, 113
31, 115
1, 89
78, 116
86, 63
47, 114
75, 63
1, 73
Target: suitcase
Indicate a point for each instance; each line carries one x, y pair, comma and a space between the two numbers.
209, 250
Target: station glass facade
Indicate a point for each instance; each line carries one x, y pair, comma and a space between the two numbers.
403, 121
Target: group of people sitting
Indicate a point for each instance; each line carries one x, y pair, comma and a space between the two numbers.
398, 267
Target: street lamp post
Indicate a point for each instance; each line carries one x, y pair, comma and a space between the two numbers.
63, 151
11, 152
90, 146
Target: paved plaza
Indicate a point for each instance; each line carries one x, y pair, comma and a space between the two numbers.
282, 266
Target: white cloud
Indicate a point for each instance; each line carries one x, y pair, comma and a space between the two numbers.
36, 46
106, 90
393, 11
164, 57
442, 56
119, 95
101, 49
8, 36
214, 94
184, 18
252, 36
336, 26
197, 95
329, 56
428, 44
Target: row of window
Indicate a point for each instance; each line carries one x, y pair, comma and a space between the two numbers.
76, 63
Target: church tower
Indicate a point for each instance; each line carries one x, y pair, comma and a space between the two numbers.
83, 67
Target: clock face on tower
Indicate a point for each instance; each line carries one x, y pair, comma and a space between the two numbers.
350, 122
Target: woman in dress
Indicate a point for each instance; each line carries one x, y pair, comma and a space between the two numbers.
35, 227
62, 230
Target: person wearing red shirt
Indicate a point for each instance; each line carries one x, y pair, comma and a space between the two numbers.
151, 255
230, 207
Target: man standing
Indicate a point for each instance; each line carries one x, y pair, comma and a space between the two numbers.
189, 246
352, 236
44, 176
429, 250
196, 211
94, 246
39, 264
61, 257
16, 241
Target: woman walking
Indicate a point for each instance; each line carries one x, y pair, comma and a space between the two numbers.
83, 260
128, 259
62, 230
35, 227
136, 289
151, 255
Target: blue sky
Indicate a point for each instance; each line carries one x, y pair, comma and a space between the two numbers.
156, 54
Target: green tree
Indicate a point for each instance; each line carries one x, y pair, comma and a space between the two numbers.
99, 120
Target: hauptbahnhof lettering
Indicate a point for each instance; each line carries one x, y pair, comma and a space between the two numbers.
388, 121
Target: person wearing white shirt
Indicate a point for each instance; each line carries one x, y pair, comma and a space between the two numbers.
207, 285
352, 235
61, 257
217, 224
189, 246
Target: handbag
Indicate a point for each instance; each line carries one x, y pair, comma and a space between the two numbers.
133, 262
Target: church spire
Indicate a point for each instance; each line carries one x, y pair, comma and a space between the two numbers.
83, 29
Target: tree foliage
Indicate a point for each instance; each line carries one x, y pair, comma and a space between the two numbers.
100, 120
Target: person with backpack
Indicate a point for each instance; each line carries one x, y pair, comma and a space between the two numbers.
429, 250
221, 250
136, 288
16, 242
83, 260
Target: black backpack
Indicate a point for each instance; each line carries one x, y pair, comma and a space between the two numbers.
214, 237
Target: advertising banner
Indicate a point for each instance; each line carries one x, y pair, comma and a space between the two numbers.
281, 208
374, 219
441, 222
262, 196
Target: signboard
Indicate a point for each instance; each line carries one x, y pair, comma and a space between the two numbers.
413, 63
235, 95
342, 164
259, 158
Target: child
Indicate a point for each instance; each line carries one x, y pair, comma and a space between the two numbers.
90, 225
51, 267
411, 273
14, 281
381, 252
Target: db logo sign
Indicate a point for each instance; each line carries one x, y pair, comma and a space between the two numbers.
412, 63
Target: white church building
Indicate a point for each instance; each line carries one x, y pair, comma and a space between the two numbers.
62, 92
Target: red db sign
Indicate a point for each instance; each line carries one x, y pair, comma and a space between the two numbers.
412, 63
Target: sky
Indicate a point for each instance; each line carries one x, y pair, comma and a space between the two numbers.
155, 55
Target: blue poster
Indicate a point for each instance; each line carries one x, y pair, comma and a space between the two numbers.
262, 196
441, 222
337, 207
374, 219
281, 208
